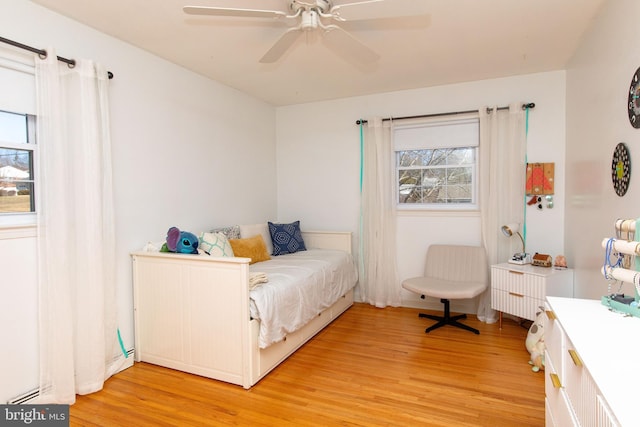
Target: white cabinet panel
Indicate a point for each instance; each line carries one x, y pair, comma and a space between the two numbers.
582, 385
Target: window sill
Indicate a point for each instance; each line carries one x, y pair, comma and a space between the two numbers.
17, 232
17, 226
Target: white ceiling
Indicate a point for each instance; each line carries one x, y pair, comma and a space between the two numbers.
459, 40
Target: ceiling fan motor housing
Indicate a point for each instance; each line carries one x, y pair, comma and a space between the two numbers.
310, 20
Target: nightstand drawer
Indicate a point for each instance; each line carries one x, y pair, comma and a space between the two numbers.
516, 304
519, 283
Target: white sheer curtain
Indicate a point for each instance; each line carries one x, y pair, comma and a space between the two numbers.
78, 334
379, 281
502, 186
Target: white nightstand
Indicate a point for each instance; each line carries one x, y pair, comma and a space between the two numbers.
520, 290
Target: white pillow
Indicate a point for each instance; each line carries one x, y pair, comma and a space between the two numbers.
215, 244
251, 230
231, 232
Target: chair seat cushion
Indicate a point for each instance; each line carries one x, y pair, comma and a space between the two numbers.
441, 288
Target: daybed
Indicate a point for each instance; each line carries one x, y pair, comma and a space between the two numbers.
193, 313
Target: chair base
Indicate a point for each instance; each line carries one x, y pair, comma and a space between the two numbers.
447, 319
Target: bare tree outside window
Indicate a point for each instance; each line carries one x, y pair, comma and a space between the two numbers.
438, 176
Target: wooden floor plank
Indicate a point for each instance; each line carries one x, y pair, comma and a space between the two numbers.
370, 367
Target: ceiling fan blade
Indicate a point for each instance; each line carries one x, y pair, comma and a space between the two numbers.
281, 46
347, 45
377, 9
226, 11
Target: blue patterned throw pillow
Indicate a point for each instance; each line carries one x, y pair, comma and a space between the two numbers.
286, 238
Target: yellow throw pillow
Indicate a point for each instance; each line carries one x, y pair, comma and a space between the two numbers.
252, 247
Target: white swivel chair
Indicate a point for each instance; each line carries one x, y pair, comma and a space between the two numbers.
451, 272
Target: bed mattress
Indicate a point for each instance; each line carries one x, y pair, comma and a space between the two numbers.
299, 287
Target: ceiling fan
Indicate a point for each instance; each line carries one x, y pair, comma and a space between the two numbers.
311, 15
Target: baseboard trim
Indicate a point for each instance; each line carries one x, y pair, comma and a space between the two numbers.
34, 394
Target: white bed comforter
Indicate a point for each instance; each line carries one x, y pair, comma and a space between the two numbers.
299, 287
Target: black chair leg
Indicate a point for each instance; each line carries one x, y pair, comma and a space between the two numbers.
447, 319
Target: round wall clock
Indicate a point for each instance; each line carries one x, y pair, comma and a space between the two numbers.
633, 105
621, 169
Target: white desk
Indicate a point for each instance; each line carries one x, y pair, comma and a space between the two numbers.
601, 387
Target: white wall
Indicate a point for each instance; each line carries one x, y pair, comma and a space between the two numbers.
18, 314
318, 162
598, 79
187, 151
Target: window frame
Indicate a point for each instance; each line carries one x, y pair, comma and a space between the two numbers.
435, 122
21, 219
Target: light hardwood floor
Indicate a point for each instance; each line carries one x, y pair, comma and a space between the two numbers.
370, 367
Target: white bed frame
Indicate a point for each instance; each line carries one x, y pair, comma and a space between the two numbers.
192, 314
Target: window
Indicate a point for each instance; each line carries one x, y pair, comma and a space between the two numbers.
17, 145
436, 163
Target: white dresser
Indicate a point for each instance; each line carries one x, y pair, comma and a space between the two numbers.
591, 365
520, 290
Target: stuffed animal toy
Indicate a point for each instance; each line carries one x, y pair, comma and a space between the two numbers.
181, 242
537, 356
535, 343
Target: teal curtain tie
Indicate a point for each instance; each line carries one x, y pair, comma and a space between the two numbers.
526, 161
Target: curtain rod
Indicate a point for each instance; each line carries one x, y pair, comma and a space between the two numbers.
524, 107
43, 53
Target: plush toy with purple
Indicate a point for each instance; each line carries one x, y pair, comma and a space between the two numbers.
181, 242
